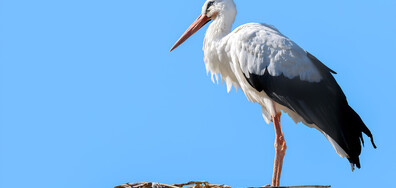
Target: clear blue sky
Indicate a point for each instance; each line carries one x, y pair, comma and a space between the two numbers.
91, 97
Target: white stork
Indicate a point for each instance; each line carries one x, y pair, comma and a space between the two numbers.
275, 72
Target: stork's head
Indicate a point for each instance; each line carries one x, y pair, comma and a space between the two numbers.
211, 10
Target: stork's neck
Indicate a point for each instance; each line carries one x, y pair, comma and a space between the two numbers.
219, 28
214, 47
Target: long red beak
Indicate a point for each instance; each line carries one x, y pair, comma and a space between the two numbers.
194, 27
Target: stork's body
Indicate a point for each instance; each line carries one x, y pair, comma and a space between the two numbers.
276, 73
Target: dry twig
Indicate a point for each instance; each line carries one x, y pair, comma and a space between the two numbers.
200, 184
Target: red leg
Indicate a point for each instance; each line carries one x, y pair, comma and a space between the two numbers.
280, 150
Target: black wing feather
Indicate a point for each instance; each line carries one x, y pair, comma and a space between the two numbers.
323, 104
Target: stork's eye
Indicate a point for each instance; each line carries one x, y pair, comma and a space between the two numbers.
210, 3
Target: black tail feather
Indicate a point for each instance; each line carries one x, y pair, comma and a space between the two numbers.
355, 129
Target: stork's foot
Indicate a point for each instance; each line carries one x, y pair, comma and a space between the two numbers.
280, 151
